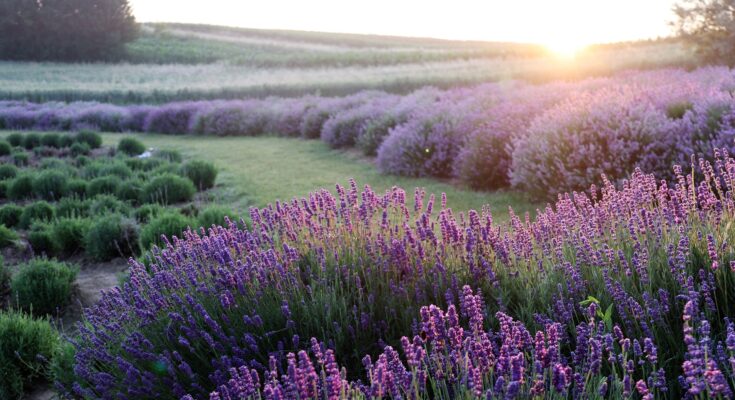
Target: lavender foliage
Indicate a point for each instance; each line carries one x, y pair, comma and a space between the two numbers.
620, 292
547, 138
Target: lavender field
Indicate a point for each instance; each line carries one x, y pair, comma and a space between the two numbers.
619, 294
542, 139
621, 288
502, 209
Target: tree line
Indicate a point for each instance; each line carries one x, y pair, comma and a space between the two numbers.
65, 30
89, 30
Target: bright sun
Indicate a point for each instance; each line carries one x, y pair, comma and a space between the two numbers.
565, 48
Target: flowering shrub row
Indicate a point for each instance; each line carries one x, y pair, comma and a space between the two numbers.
451, 360
619, 292
545, 139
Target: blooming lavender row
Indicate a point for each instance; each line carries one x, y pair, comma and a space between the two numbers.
544, 139
619, 291
454, 360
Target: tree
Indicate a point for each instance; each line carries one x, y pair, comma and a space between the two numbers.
65, 30
710, 26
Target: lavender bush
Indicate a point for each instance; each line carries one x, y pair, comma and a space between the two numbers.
618, 293
378, 127
485, 158
229, 119
315, 117
173, 119
573, 144
488, 136
104, 117
346, 128
137, 115
425, 145
708, 124
285, 115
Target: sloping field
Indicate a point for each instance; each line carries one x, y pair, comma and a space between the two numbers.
178, 62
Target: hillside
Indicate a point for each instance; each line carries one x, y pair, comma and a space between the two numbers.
201, 44
188, 62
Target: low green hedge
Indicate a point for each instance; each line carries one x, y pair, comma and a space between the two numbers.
112, 236
42, 240
131, 146
39, 211
42, 286
10, 215
8, 171
168, 189
69, 234
26, 345
50, 185
103, 185
5, 148
167, 224
21, 187
202, 173
215, 215
8, 237
91, 139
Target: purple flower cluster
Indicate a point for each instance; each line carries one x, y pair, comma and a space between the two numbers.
545, 139
449, 359
709, 368
615, 291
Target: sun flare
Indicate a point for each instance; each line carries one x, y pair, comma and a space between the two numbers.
565, 48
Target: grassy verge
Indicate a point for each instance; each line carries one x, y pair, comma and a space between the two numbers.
256, 171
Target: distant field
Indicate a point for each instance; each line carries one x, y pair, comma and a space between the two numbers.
201, 44
256, 171
178, 62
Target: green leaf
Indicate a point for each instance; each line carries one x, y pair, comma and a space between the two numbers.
608, 317
589, 301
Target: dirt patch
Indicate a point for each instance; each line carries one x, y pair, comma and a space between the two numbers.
91, 281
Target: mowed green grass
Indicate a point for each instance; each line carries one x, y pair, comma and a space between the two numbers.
256, 171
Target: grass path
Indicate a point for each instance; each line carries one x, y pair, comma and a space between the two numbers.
256, 171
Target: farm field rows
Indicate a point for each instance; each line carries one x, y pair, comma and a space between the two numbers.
165, 69
542, 139
199, 44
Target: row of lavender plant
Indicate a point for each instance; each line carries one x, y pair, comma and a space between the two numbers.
614, 293
544, 139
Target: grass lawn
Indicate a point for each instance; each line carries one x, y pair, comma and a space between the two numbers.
256, 171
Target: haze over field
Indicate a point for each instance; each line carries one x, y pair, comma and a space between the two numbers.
561, 25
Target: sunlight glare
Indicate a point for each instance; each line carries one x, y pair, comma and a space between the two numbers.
504, 21
565, 48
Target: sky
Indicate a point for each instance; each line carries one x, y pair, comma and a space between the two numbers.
551, 22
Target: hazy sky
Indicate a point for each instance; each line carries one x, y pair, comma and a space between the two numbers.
540, 21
